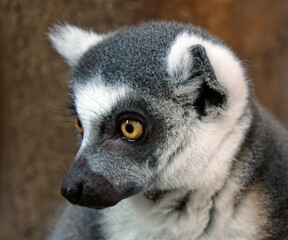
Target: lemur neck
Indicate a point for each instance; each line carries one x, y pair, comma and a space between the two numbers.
170, 211
201, 212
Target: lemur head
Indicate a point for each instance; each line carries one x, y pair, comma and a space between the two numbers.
159, 106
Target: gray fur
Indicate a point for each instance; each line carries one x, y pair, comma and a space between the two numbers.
212, 163
86, 226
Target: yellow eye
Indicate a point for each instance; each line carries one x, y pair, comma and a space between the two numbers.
78, 125
132, 130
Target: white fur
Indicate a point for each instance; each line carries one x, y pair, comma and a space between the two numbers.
72, 42
92, 101
139, 218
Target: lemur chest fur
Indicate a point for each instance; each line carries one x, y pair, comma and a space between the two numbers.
183, 215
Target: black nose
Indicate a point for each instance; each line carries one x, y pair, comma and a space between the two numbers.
86, 188
73, 193
95, 191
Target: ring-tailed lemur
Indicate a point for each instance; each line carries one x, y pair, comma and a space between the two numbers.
173, 143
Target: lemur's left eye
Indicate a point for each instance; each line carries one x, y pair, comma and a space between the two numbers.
78, 125
131, 129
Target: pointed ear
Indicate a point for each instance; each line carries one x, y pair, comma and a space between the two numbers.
71, 42
197, 84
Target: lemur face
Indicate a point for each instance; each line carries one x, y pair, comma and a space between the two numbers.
118, 152
151, 104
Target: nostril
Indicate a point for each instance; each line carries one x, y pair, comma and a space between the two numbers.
72, 193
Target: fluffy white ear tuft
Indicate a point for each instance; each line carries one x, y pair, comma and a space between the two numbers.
71, 42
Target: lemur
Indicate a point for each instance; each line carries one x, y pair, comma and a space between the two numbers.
174, 144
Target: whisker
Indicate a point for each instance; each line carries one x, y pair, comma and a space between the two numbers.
112, 214
126, 208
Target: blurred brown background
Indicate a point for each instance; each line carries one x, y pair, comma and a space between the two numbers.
37, 136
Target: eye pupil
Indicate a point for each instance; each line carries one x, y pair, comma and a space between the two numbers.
129, 128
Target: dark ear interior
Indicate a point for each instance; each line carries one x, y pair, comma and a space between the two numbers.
208, 94
208, 100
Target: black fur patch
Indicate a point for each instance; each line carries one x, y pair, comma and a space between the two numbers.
182, 203
211, 93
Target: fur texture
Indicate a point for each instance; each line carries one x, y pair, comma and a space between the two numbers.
211, 164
